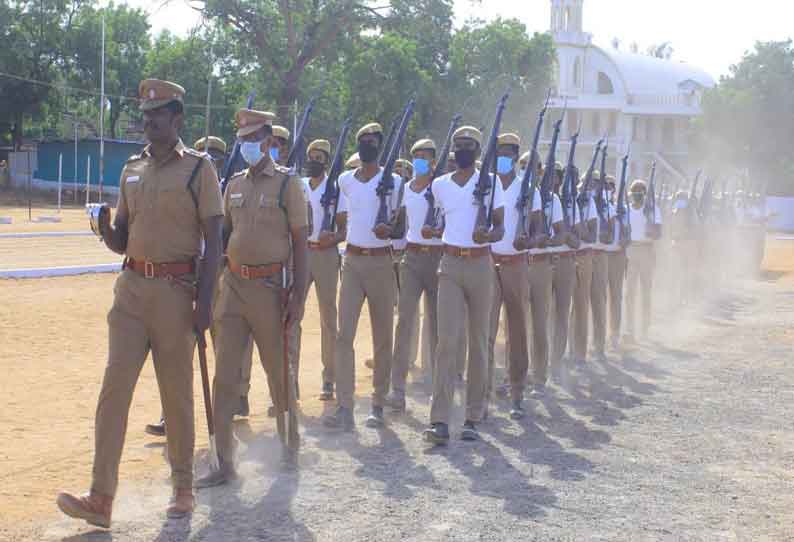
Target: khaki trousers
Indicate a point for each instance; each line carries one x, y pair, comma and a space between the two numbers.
511, 289
369, 278
462, 282
642, 263
418, 275
581, 303
616, 264
598, 299
563, 282
540, 280
156, 314
245, 308
248, 354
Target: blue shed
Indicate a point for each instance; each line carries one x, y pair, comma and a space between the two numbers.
116, 154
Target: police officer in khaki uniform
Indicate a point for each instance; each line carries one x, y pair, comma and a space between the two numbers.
263, 198
324, 259
600, 281
616, 268
279, 148
170, 200
418, 271
466, 278
367, 275
580, 309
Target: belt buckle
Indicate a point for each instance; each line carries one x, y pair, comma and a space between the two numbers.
245, 272
365, 252
424, 249
464, 252
148, 270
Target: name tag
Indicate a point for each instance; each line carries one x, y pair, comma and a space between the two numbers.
133, 179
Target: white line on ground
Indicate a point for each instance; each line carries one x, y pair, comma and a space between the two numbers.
31, 234
65, 271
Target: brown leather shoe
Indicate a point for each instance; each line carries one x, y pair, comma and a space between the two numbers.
182, 504
93, 508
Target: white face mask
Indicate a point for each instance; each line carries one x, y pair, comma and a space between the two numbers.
251, 152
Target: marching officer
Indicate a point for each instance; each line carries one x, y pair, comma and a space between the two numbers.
279, 149
170, 200
466, 278
645, 232
512, 283
418, 272
323, 257
580, 312
263, 198
600, 280
367, 274
216, 148
616, 267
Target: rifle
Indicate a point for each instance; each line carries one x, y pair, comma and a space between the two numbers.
384, 155
441, 166
583, 199
546, 184
694, 187
527, 194
330, 198
485, 183
296, 154
602, 207
231, 168
624, 231
649, 209
386, 184
568, 192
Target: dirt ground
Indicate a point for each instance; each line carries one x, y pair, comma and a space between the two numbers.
687, 437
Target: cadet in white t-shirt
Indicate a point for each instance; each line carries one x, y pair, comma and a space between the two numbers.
588, 232
645, 232
324, 238
367, 275
465, 280
616, 267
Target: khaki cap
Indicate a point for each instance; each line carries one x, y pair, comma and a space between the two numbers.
424, 145
509, 139
250, 120
319, 145
468, 132
404, 166
156, 93
558, 166
280, 131
371, 128
524, 160
211, 142
353, 162
638, 185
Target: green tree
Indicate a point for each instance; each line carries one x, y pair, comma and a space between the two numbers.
746, 124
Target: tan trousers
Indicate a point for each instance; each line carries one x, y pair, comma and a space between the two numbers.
462, 282
511, 289
598, 299
581, 303
563, 282
540, 280
156, 314
245, 308
248, 354
642, 263
369, 278
418, 275
616, 264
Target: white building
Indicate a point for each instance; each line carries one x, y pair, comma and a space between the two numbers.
634, 99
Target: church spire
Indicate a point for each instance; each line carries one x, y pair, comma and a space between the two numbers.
567, 22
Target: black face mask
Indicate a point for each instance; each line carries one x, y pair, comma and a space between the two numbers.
315, 168
636, 197
367, 152
464, 158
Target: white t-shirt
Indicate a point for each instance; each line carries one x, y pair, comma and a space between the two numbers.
459, 208
555, 217
314, 197
505, 246
639, 224
416, 205
589, 214
362, 208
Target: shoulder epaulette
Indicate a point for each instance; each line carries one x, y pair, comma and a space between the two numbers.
134, 158
197, 154
281, 169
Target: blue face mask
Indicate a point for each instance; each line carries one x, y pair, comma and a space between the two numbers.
504, 165
421, 167
274, 153
251, 152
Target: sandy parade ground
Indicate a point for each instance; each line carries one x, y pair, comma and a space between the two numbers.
689, 436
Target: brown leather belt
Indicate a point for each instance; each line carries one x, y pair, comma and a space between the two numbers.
466, 252
424, 249
560, 255
538, 258
151, 270
509, 259
584, 252
315, 245
253, 272
360, 251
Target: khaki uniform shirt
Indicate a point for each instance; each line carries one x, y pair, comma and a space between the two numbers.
164, 221
259, 227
